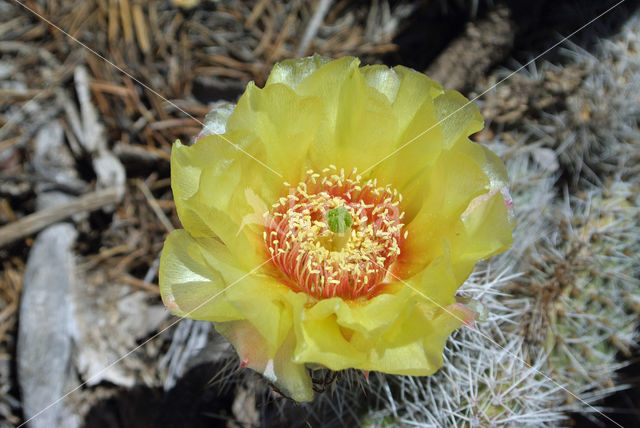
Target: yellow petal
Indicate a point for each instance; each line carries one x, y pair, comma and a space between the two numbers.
248, 343
204, 221
415, 346
414, 90
211, 198
437, 284
291, 379
366, 127
452, 183
418, 141
189, 286
485, 230
284, 122
327, 83
322, 341
201, 279
291, 72
260, 299
368, 316
490, 163
254, 294
415, 151
327, 80
457, 116
412, 345
387, 81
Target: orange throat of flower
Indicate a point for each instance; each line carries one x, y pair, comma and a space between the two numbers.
334, 235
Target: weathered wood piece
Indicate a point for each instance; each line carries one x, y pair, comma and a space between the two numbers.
41, 219
44, 339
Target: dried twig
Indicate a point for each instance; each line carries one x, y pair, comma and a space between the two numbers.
136, 282
154, 206
314, 25
41, 219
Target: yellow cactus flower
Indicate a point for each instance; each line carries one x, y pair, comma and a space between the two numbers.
330, 218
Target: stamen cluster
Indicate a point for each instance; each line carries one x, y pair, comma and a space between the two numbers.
323, 263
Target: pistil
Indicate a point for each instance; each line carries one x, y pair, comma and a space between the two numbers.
339, 221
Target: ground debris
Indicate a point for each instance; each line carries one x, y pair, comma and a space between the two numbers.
101, 308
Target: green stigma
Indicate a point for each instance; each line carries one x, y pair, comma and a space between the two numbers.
339, 220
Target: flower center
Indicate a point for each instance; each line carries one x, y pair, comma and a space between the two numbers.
333, 235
